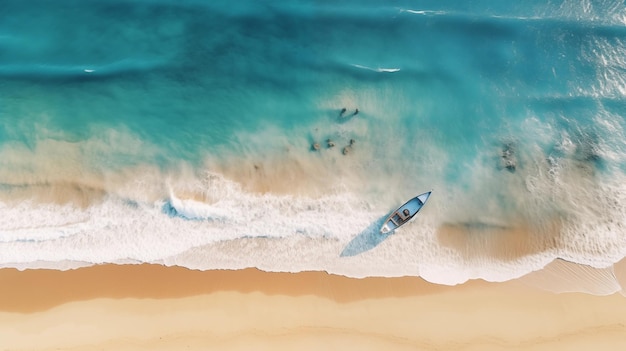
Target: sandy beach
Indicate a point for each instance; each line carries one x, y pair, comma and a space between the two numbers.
184, 152
151, 307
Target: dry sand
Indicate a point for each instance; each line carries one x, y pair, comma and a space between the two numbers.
150, 307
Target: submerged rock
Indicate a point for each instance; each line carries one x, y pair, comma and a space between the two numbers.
507, 158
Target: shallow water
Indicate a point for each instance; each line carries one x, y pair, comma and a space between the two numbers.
182, 132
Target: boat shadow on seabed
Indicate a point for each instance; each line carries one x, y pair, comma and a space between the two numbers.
368, 239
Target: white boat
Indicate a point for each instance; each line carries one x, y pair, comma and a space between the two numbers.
404, 213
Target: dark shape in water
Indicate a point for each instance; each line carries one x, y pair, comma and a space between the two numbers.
586, 154
508, 159
588, 151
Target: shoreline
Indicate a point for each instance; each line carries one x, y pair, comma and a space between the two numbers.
153, 281
148, 307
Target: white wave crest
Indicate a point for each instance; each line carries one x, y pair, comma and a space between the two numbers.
378, 69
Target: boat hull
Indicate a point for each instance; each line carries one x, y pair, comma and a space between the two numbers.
404, 213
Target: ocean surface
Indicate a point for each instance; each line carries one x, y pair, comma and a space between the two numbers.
182, 133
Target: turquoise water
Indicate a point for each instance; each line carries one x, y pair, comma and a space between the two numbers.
182, 132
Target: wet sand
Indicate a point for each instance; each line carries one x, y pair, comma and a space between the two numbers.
151, 307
